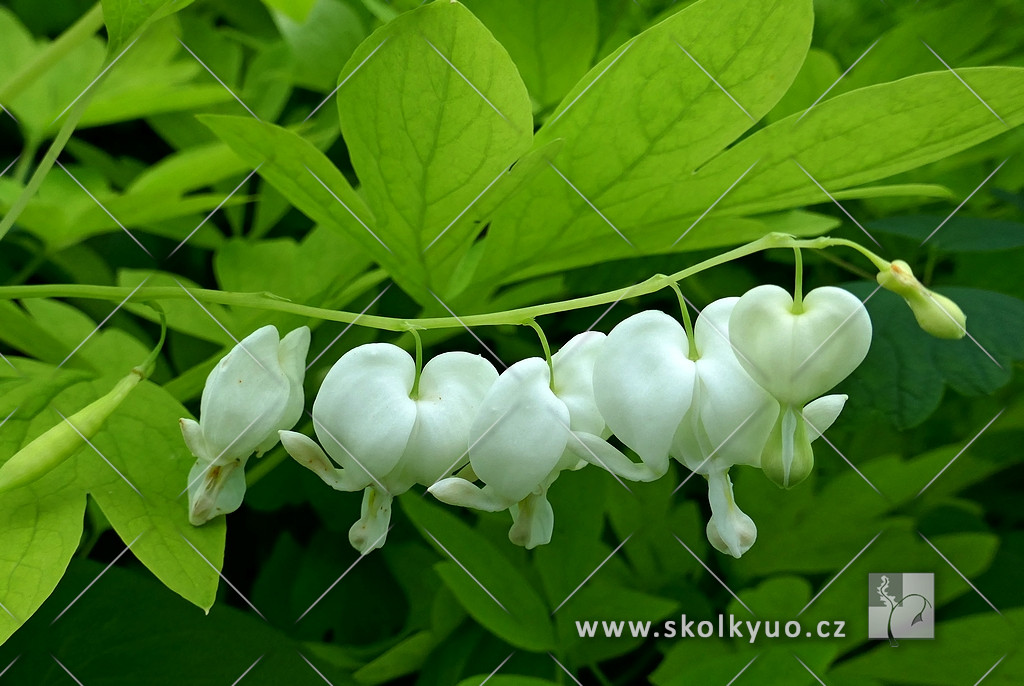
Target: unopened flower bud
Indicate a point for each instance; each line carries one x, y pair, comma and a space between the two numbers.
935, 313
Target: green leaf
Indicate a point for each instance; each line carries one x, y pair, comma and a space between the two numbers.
126, 630
956, 235
449, 114
906, 370
552, 43
126, 19
320, 41
506, 680
818, 73
493, 593
639, 124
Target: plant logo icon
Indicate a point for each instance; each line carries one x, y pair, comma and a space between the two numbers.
901, 606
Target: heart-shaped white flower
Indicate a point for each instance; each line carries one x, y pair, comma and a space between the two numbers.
386, 438
799, 353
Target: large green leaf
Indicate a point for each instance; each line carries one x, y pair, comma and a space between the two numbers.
552, 43
492, 592
433, 112
639, 124
126, 19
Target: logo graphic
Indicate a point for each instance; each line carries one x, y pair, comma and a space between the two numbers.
901, 606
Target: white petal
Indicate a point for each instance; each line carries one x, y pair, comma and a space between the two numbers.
729, 530
820, 414
533, 521
574, 381
292, 358
306, 452
644, 384
797, 357
371, 529
363, 414
600, 453
520, 432
461, 493
452, 387
192, 432
245, 397
214, 490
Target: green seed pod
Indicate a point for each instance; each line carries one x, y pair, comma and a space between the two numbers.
51, 449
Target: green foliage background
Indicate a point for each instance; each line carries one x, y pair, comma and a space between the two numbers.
414, 160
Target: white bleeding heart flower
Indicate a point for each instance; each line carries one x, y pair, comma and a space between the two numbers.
384, 436
644, 384
253, 392
799, 353
526, 433
796, 353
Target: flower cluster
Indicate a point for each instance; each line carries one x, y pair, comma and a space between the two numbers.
746, 387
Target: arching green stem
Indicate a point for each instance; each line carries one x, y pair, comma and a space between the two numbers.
519, 316
419, 363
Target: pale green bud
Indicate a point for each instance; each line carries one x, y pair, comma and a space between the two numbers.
936, 314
